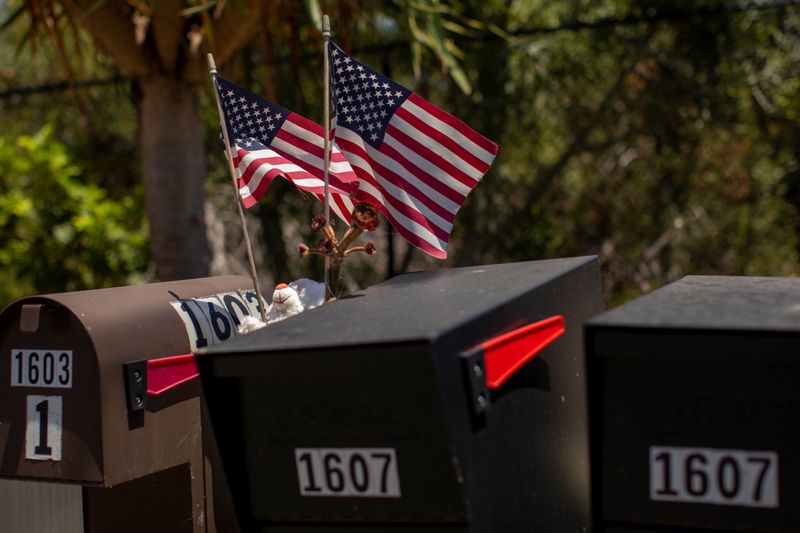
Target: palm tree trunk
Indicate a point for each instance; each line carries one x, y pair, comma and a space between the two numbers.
174, 172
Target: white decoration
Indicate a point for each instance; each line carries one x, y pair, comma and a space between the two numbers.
250, 324
294, 298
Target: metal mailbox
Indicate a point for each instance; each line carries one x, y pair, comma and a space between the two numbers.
451, 400
695, 408
92, 394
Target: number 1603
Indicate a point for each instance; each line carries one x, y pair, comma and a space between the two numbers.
41, 368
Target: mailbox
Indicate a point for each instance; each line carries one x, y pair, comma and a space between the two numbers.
96, 391
451, 400
695, 408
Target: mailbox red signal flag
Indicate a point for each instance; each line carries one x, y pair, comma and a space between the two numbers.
505, 354
168, 372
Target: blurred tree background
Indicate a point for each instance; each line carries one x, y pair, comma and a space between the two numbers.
662, 136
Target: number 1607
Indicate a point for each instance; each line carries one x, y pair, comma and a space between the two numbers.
348, 472
746, 478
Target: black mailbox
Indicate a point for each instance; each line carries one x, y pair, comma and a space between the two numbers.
416, 405
695, 408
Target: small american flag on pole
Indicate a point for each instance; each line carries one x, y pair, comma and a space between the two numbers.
268, 140
413, 160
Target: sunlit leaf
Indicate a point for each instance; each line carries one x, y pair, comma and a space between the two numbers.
314, 11
12, 17
202, 8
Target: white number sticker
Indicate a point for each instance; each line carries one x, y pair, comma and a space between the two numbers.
236, 306
41, 368
251, 300
43, 428
744, 478
347, 472
214, 319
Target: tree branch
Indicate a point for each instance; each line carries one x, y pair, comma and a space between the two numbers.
235, 27
167, 27
110, 24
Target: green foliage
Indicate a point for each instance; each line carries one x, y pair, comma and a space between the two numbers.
668, 144
57, 232
667, 147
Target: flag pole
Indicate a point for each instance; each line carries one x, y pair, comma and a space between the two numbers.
212, 69
326, 210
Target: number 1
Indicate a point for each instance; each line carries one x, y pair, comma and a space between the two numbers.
43, 429
667, 489
18, 357
42, 448
312, 484
201, 340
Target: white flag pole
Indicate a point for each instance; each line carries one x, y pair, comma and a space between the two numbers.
326, 37
212, 69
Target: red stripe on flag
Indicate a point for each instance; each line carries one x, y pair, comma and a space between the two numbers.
338, 201
395, 180
448, 142
306, 124
410, 213
447, 168
299, 142
255, 164
401, 182
453, 122
316, 172
266, 181
308, 146
429, 180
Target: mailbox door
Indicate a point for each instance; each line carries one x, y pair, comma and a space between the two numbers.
49, 399
696, 429
331, 436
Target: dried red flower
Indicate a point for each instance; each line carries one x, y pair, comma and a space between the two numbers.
318, 222
326, 246
369, 248
303, 250
365, 216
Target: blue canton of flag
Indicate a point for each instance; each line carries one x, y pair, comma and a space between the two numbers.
364, 100
252, 121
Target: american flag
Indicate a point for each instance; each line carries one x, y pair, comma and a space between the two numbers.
268, 140
413, 160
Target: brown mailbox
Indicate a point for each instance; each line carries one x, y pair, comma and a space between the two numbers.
94, 392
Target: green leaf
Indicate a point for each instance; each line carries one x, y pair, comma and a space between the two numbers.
12, 17
314, 11
92, 8
444, 50
189, 11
